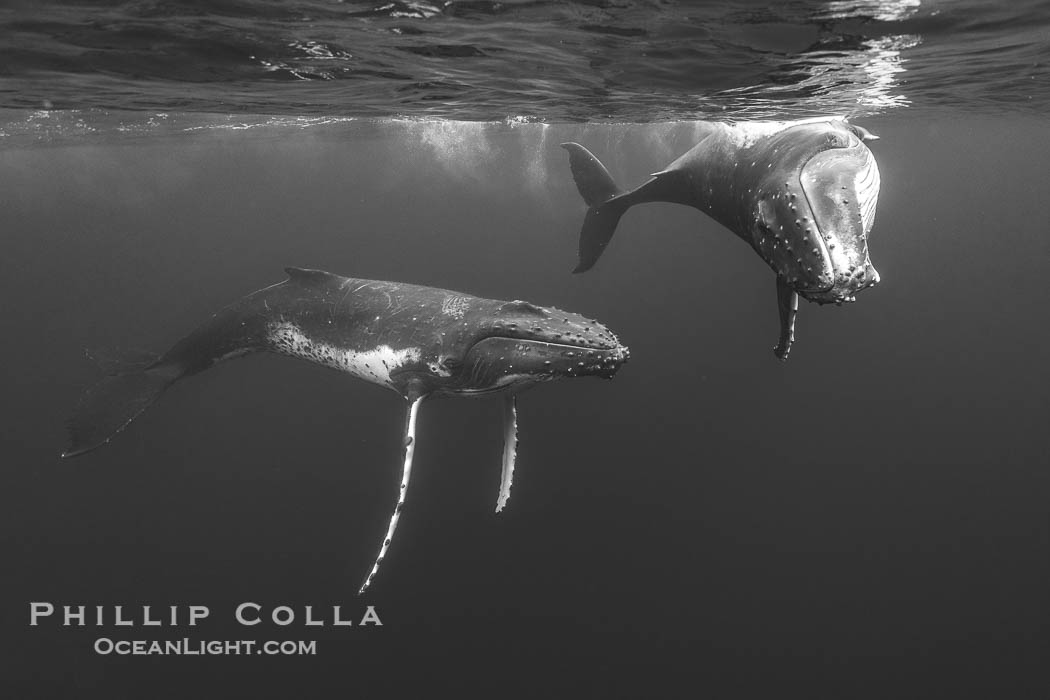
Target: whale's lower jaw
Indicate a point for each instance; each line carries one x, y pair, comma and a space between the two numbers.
507, 383
503, 363
848, 283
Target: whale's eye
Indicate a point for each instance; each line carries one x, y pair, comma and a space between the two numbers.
451, 363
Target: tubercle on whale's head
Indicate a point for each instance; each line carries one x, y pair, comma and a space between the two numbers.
516, 344
813, 220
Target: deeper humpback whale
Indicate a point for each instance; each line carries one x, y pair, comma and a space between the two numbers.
418, 341
802, 194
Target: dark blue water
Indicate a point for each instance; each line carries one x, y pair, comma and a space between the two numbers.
867, 520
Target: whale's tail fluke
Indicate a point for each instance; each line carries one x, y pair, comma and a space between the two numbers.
606, 200
109, 406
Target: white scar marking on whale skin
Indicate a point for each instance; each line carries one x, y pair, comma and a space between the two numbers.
454, 306
371, 365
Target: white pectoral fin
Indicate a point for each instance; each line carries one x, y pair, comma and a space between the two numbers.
787, 304
510, 449
406, 473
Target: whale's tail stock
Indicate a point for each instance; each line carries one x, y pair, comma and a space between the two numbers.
110, 405
606, 202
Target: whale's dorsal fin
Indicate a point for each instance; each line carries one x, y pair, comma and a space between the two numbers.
303, 276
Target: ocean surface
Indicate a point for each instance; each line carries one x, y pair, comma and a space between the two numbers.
867, 520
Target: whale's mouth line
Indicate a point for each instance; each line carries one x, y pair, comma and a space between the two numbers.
820, 239
500, 362
618, 349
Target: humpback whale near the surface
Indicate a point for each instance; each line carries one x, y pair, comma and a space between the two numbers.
417, 341
802, 194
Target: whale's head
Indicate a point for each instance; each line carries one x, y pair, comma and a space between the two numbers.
501, 346
816, 208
